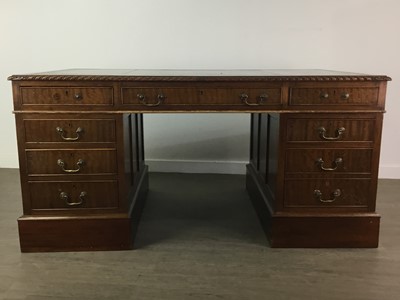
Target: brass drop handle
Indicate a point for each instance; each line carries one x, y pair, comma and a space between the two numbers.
345, 96
337, 162
143, 100
78, 96
79, 163
339, 133
244, 97
61, 132
324, 95
65, 197
318, 194
261, 99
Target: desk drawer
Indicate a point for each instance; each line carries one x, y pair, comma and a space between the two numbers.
71, 161
327, 193
69, 130
73, 195
334, 96
330, 130
151, 96
67, 95
328, 160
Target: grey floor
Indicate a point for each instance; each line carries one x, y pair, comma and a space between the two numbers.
199, 239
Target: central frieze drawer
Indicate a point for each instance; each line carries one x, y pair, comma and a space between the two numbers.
73, 195
334, 96
154, 96
327, 193
69, 130
328, 160
71, 161
67, 95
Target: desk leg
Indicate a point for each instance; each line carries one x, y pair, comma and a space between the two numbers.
134, 152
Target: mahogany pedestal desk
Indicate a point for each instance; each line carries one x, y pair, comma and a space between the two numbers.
312, 173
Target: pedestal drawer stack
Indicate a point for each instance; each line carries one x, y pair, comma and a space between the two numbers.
71, 164
78, 170
331, 162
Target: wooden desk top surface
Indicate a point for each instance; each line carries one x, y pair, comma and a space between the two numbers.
199, 75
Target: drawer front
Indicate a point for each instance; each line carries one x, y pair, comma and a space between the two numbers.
67, 95
328, 160
334, 96
200, 96
327, 193
69, 130
69, 161
73, 195
330, 130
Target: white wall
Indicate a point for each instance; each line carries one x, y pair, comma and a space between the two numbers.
347, 35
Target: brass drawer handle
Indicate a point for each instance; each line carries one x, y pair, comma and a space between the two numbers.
61, 132
142, 99
79, 163
324, 95
339, 134
64, 196
78, 96
261, 99
337, 162
345, 96
318, 194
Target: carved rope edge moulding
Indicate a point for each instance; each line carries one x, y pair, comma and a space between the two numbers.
194, 78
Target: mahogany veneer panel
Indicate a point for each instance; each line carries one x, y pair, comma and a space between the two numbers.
309, 130
336, 160
67, 96
353, 193
45, 162
75, 234
200, 96
83, 130
334, 96
48, 195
